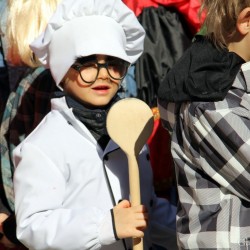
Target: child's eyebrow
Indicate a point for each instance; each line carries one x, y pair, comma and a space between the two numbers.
92, 58
84, 59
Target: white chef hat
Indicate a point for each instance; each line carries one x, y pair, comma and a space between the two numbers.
85, 27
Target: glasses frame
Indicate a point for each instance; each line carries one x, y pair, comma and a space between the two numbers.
78, 66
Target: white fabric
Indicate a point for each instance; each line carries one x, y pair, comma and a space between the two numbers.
82, 28
62, 199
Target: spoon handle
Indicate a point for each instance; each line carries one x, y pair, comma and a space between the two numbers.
135, 195
137, 244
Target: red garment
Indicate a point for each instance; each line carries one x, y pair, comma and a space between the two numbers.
160, 157
138, 5
188, 8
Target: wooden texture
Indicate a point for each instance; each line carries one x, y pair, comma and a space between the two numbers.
130, 123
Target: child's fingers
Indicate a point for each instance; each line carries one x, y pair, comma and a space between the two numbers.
130, 221
139, 209
123, 204
138, 234
140, 223
141, 216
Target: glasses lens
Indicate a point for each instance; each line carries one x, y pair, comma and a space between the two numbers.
117, 68
89, 71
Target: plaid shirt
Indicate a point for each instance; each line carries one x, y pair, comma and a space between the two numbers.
211, 151
25, 108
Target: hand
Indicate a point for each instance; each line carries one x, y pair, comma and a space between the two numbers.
130, 221
4, 241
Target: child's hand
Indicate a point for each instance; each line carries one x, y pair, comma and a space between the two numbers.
130, 221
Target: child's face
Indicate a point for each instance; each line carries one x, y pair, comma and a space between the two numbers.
93, 83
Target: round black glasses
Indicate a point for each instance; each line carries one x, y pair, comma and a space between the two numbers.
116, 68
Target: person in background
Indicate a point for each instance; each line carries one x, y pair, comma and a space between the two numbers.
77, 193
28, 102
204, 103
4, 82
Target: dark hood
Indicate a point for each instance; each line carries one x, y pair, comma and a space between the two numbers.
203, 73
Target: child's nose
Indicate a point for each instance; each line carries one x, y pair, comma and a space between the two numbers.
103, 73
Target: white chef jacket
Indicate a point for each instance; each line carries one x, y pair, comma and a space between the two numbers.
65, 186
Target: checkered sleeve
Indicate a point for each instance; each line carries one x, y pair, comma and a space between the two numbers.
25, 108
221, 132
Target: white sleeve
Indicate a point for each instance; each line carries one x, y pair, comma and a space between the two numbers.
42, 221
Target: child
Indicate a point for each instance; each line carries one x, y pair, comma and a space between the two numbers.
204, 102
71, 181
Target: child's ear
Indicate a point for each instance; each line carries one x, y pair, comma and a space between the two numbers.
243, 21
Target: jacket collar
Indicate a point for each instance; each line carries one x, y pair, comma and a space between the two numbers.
242, 80
203, 73
60, 105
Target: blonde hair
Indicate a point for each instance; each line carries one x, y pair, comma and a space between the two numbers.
221, 19
26, 20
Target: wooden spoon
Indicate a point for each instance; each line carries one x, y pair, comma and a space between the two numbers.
129, 124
